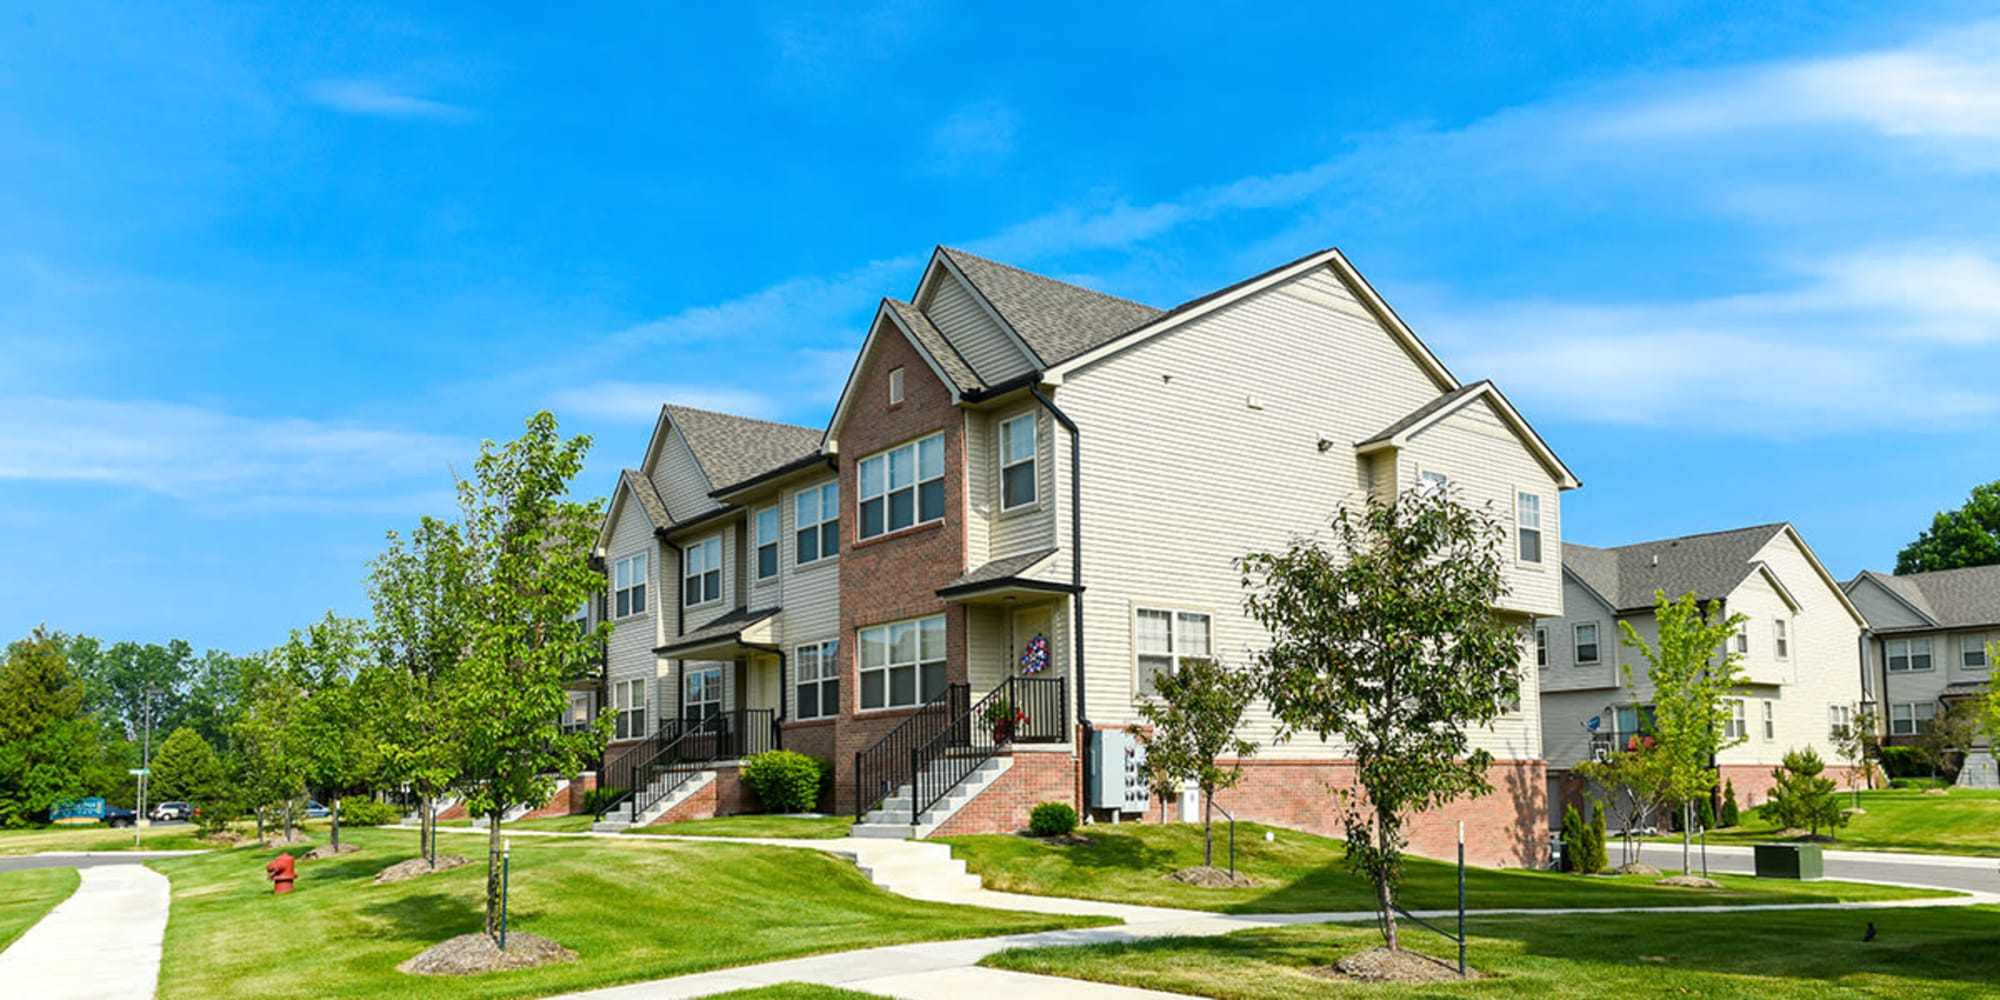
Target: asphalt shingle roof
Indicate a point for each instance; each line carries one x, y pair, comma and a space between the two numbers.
725, 627
1954, 597
1058, 320
937, 345
1711, 565
1000, 569
648, 497
1419, 414
732, 449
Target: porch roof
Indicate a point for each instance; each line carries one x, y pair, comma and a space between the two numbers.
739, 630
1003, 580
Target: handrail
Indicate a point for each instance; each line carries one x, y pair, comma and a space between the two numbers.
621, 772
1020, 710
729, 735
881, 768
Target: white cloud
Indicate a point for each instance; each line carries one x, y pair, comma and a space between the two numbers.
367, 97
639, 402
975, 137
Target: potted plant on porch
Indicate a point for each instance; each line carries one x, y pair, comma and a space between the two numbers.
1002, 718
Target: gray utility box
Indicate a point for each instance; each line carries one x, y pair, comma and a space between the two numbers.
1117, 777
1793, 861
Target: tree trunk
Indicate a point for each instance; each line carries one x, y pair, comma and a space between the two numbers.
1385, 894
1687, 841
493, 874
288, 819
260, 824
336, 824
1207, 828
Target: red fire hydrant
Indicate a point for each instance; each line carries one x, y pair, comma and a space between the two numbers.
282, 871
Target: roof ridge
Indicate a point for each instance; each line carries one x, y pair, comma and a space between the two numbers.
1989, 568
1773, 527
1038, 275
738, 416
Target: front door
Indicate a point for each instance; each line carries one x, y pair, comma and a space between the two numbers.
1032, 648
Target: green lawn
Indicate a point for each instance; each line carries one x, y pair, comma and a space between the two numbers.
96, 838
25, 896
632, 909
1303, 873
1959, 822
794, 991
790, 827
558, 824
1802, 955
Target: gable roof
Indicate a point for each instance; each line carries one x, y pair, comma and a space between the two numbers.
731, 449
1398, 434
1951, 598
1057, 320
648, 497
1711, 565
932, 342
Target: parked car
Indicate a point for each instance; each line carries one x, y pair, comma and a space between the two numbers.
90, 810
172, 811
316, 811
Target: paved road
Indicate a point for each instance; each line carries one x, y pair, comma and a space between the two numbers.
1939, 871
93, 860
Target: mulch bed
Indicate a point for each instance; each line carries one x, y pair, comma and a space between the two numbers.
1380, 965
470, 954
418, 867
224, 838
1062, 839
281, 840
1690, 882
1211, 877
1637, 868
326, 851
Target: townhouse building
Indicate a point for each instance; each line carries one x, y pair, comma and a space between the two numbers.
1800, 650
1931, 642
1027, 504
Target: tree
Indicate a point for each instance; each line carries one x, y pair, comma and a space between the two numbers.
1691, 688
1952, 730
1968, 536
1193, 726
1389, 642
1732, 814
329, 733
1857, 742
264, 736
187, 768
1643, 771
48, 745
1802, 797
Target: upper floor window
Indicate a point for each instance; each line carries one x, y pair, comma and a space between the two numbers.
1586, 643
1432, 482
895, 386
903, 486
767, 543
1770, 722
1736, 727
1017, 462
1528, 526
1911, 718
1541, 647
1972, 651
1838, 719
818, 519
1166, 639
704, 694
629, 585
704, 571
1782, 639
902, 665
819, 680
628, 699
1909, 654
1743, 638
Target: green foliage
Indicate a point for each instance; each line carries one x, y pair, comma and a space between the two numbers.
1691, 690
1968, 536
1051, 819
1389, 644
1600, 855
1704, 812
1575, 838
1193, 725
328, 733
49, 748
1918, 784
1952, 731
785, 781
1902, 762
357, 810
1803, 797
1587, 853
599, 801
1731, 812
184, 767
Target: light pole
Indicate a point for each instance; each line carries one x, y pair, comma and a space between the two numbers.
145, 759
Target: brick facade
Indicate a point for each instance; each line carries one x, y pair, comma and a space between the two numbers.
1035, 778
725, 796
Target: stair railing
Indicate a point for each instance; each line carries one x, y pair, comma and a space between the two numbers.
730, 735
885, 765
1020, 710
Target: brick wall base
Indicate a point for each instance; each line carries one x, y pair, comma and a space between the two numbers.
1003, 807
725, 796
1752, 782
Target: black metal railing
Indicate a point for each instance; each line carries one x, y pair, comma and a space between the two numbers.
885, 766
1020, 710
623, 768
1602, 745
730, 735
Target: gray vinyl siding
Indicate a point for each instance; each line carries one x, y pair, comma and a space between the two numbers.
1946, 666
1564, 673
990, 351
629, 654
811, 595
680, 481
1882, 609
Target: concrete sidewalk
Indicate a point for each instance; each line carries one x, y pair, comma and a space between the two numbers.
102, 943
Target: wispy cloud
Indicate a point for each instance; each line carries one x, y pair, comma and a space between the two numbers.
377, 99
974, 138
824, 45
639, 402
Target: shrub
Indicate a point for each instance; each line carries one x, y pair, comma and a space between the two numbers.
1051, 819
1802, 797
1574, 836
363, 811
1918, 783
1731, 814
1903, 762
785, 781
599, 801
1599, 857
1704, 813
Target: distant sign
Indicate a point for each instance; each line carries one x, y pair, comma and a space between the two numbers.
140, 771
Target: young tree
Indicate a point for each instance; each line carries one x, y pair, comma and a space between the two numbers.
1802, 797
1642, 770
1193, 726
1691, 688
48, 745
1952, 730
1968, 536
329, 731
187, 768
1856, 743
1389, 643
265, 741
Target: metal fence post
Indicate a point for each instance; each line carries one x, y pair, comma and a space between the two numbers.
1461, 899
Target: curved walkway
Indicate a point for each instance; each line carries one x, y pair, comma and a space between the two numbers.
102, 943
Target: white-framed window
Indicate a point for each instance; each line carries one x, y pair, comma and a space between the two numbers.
1587, 651
1909, 654
1838, 719
901, 487
579, 708
1743, 637
902, 664
1737, 726
1541, 647
1781, 638
1528, 526
628, 698
1431, 481
701, 697
581, 619
1911, 718
1770, 721
818, 685
817, 516
1972, 651
895, 386
767, 543
1165, 639
1017, 462
629, 585
702, 579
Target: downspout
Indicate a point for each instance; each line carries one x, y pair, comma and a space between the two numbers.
1075, 577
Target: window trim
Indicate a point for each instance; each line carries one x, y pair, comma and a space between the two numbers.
1541, 647
622, 705
896, 385
1769, 720
1596, 644
1425, 480
829, 517
687, 565
1909, 656
1781, 639
721, 688
641, 587
1520, 530
758, 544
826, 657
889, 664
916, 488
1737, 725
1174, 615
1033, 461
1976, 649
1912, 720
1743, 639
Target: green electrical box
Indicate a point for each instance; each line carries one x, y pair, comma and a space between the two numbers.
1794, 861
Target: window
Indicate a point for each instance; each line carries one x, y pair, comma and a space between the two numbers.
902, 486
1972, 651
1736, 727
1586, 643
1770, 722
629, 698
579, 709
1432, 482
1909, 654
1528, 526
704, 694
818, 520
704, 571
1541, 647
767, 543
819, 680
895, 386
1017, 462
1838, 719
630, 585
582, 618
1784, 642
902, 664
1166, 639
1743, 638
1911, 718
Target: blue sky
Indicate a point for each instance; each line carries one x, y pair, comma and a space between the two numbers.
266, 275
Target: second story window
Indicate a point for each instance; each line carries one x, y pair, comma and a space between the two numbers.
895, 386
628, 699
1770, 722
767, 543
1782, 638
1743, 638
1528, 526
1017, 462
901, 487
1972, 651
817, 512
1586, 643
1909, 654
704, 572
1432, 482
1541, 647
629, 582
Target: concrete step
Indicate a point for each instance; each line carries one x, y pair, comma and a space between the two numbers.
609, 826
893, 820
687, 788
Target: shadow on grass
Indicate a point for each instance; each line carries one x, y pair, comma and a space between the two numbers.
428, 916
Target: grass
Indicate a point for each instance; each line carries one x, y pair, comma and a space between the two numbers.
557, 824
794, 991
632, 909
789, 827
1303, 873
96, 838
26, 896
1933, 953
1962, 821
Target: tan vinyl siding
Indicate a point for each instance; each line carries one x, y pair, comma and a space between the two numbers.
811, 594
695, 617
982, 499
679, 479
1825, 662
629, 654
1487, 464
989, 349
1031, 527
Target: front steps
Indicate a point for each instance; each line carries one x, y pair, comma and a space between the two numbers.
892, 819
1979, 771
919, 870
621, 818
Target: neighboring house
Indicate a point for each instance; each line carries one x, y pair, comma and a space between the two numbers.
1931, 641
1800, 649
1034, 493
